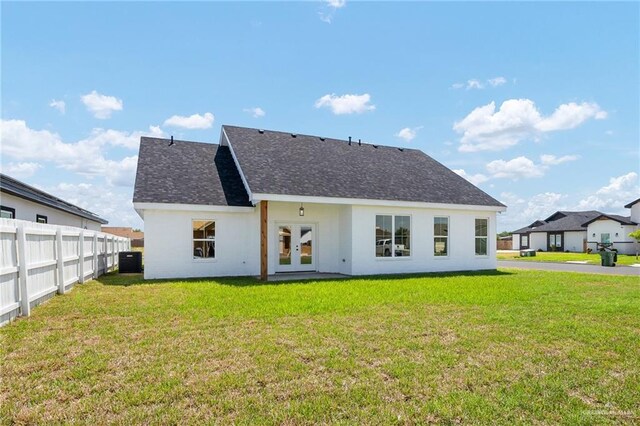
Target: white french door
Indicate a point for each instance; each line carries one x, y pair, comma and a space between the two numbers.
296, 247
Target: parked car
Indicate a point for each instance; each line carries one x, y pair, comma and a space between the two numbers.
384, 247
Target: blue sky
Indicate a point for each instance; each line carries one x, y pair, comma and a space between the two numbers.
538, 104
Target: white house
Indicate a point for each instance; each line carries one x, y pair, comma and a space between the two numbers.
579, 231
265, 202
21, 201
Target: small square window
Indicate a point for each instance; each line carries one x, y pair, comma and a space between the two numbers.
41, 218
7, 212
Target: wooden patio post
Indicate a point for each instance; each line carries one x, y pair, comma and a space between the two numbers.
263, 240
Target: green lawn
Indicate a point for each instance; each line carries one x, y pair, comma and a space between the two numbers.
561, 257
478, 348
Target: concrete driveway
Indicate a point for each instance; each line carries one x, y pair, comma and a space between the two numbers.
570, 267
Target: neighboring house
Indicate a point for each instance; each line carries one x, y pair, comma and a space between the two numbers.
21, 201
264, 202
136, 237
579, 231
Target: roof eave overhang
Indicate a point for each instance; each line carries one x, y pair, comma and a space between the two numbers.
257, 197
140, 208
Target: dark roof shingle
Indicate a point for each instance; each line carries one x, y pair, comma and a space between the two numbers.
187, 173
279, 163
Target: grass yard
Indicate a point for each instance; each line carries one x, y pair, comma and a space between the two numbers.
478, 348
561, 257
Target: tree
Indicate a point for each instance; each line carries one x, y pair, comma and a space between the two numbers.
636, 236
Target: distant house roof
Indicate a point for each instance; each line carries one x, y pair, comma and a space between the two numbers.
290, 164
187, 173
14, 187
123, 231
631, 204
561, 221
623, 220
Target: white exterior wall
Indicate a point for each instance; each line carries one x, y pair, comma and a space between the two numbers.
344, 241
27, 210
538, 241
515, 241
461, 242
623, 242
168, 244
330, 245
573, 241
635, 212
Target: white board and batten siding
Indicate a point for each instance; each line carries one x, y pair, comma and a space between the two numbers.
39, 260
344, 240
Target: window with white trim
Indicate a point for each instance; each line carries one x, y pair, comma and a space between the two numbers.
482, 233
393, 236
7, 212
440, 236
41, 218
204, 239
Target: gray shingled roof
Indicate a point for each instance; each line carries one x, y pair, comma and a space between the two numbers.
571, 221
628, 206
279, 163
623, 220
187, 173
13, 186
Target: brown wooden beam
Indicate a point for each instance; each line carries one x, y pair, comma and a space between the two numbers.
263, 240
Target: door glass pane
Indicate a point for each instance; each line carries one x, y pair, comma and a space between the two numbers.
383, 236
284, 245
306, 245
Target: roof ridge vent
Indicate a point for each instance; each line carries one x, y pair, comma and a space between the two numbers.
293, 135
261, 131
401, 149
321, 138
375, 146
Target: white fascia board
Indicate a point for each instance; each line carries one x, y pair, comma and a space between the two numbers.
224, 137
141, 207
366, 202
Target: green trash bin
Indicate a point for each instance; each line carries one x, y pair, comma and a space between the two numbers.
607, 258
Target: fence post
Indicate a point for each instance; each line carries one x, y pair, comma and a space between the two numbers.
25, 307
95, 255
60, 271
81, 254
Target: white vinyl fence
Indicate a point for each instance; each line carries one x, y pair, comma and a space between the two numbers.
39, 260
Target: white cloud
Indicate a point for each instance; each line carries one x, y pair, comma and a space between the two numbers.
474, 84
457, 85
256, 112
520, 167
328, 11
486, 129
611, 198
497, 81
346, 104
59, 105
521, 212
195, 121
476, 179
101, 106
552, 160
408, 133
21, 170
86, 157
111, 203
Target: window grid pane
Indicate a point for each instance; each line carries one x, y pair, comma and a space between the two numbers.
402, 236
204, 239
383, 236
440, 233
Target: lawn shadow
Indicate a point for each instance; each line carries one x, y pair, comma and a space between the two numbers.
126, 280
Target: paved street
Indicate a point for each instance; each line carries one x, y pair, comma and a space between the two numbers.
570, 267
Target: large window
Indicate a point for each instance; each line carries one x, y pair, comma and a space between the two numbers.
440, 236
605, 238
7, 212
41, 218
204, 239
393, 236
482, 233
